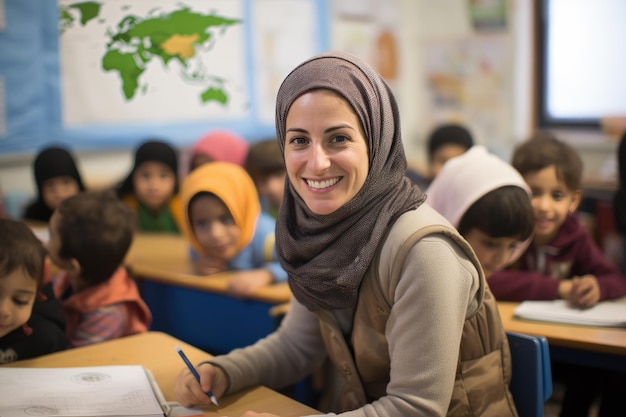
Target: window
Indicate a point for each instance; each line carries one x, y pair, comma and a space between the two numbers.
581, 62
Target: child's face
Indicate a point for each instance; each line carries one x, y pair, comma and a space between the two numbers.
57, 189
17, 295
154, 184
214, 227
494, 253
552, 201
272, 187
442, 154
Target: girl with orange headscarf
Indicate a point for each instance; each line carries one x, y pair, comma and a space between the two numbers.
227, 229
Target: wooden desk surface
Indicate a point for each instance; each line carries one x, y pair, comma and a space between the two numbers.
156, 352
598, 339
165, 258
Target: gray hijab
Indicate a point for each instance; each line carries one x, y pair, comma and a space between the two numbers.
326, 256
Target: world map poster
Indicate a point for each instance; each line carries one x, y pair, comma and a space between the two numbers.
143, 61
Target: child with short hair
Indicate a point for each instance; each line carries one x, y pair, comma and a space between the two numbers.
447, 141
90, 234
266, 167
488, 202
225, 225
151, 188
563, 261
31, 320
57, 177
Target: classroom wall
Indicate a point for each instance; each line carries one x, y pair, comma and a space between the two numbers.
421, 25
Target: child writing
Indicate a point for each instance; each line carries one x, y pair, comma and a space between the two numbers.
90, 234
488, 202
218, 145
266, 166
563, 261
31, 320
225, 225
57, 178
151, 188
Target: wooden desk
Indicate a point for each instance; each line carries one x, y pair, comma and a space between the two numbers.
598, 346
156, 352
196, 308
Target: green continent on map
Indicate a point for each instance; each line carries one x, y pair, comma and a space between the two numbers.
87, 10
168, 36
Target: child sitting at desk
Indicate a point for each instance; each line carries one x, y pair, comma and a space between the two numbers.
31, 320
57, 178
563, 261
151, 188
90, 234
266, 167
487, 200
225, 225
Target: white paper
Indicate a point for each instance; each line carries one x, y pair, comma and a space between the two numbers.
607, 313
78, 391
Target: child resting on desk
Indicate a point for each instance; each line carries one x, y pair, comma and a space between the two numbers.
151, 188
31, 319
487, 200
563, 261
90, 234
225, 225
57, 178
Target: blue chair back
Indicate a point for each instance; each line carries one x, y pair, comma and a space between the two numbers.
531, 383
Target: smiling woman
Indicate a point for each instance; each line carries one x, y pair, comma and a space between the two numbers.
325, 151
352, 233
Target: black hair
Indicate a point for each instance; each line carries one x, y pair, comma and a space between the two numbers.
503, 212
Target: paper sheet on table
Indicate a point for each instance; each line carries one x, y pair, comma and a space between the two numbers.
78, 391
606, 314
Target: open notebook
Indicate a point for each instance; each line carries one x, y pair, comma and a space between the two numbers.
606, 313
123, 390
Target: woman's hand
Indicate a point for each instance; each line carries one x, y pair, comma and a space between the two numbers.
191, 393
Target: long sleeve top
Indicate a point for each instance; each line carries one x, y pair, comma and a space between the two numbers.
572, 253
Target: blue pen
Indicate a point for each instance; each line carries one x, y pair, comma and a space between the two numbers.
195, 373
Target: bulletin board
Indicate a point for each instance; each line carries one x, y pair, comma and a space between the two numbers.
110, 74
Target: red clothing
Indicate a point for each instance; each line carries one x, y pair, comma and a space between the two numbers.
571, 253
106, 311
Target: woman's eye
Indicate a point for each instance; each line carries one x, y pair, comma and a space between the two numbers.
298, 140
340, 139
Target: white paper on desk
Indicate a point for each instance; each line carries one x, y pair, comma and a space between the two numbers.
77, 391
607, 313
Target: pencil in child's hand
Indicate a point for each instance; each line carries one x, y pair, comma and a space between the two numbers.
195, 373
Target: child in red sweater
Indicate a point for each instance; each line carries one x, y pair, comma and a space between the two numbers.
90, 234
563, 261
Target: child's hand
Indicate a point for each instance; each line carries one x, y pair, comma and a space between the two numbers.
565, 287
245, 283
208, 265
585, 291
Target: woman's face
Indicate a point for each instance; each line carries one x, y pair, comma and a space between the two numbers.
325, 151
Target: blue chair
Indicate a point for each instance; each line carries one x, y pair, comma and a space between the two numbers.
531, 383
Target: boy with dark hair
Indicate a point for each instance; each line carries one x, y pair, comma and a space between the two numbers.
563, 261
90, 234
31, 319
445, 142
266, 166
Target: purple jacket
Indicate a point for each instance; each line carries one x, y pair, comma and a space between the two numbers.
571, 253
